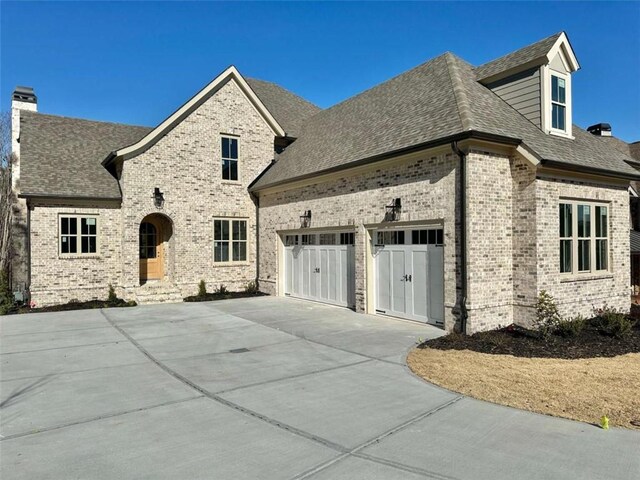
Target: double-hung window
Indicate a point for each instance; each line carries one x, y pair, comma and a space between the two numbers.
558, 103
229, 240
584, 237
78, 235
229, 158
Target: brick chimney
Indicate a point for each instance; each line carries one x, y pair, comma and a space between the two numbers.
23, 98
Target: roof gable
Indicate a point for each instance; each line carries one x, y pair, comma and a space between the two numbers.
539, 53
185, 110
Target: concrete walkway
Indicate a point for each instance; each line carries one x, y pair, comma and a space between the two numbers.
266, 388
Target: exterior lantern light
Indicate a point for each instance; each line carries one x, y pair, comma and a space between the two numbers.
158, 198
393, 210
305, 220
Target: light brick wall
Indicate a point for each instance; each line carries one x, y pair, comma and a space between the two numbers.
525, 274
19, 234
57, 278
186, 166
580, 295
489, 240
427, 187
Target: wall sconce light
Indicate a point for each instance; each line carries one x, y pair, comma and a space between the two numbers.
158, 198
305, 220
393, 210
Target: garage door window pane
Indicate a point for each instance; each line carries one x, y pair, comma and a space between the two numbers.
327, 239
347, 239
391, 238
308, 239
290, 240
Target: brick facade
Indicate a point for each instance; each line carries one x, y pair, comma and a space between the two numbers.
186, 166
57, 278
512, 221
426, 184
578, 295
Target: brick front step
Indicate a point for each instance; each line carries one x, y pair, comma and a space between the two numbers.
158, 292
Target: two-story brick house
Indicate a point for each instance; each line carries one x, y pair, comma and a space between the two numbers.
450, 194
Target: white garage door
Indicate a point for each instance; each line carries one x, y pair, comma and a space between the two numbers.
321, 267
410, 274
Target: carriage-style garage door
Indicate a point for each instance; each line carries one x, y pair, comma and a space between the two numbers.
320, 267
410, 274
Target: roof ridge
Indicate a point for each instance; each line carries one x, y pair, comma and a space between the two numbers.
285, 89
462, 102
554, 36
65, 117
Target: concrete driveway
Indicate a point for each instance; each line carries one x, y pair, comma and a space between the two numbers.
262, 388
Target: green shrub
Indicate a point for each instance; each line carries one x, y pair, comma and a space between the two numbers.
547, 316
222, 290
612, 322
252, 287
570, 327
6, 296
202, 289
112, 298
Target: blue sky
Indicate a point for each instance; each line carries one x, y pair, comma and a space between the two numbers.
137, 62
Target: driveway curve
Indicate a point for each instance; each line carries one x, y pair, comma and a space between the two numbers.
269, 388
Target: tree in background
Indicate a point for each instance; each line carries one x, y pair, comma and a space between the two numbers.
7, 202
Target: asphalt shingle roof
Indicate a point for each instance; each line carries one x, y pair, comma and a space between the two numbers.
430, 103
61, 156
517, 58
289, 109
433, 101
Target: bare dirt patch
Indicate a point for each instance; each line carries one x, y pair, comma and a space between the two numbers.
580, 389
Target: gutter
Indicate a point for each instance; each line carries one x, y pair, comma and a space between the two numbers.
41, 196
463, 235
594, 170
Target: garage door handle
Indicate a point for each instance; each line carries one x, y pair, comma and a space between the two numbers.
317, 270
407, 278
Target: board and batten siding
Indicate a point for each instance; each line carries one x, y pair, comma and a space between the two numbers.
522, 92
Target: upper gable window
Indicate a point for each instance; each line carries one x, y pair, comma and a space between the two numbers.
558, 103
229, 158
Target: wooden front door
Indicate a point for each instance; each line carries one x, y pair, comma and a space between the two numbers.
151, 255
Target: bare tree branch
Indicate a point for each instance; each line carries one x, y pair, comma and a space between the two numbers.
7, 196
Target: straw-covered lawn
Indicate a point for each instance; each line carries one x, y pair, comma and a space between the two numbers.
581, 389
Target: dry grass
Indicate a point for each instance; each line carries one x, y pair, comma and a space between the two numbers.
583, 389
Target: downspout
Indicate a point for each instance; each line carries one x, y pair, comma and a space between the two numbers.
28, 249
463, 235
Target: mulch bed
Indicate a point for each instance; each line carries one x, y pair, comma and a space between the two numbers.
92, 304
210, 297
521, 342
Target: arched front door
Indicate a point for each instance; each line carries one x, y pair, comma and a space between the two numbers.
151, 254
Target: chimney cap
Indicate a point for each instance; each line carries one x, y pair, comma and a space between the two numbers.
601, 129
24, 94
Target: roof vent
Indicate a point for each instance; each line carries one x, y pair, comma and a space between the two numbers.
24, 94
600, 129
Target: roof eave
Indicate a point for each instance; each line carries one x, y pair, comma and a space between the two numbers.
66, 197
394, 153
593, 170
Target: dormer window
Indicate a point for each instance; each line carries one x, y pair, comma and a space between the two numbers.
558, 103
